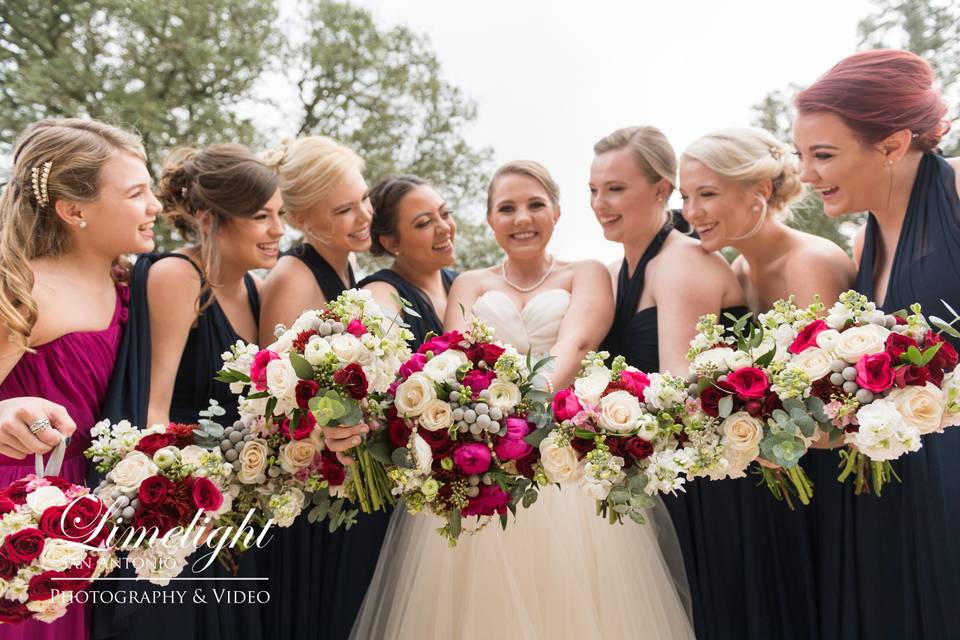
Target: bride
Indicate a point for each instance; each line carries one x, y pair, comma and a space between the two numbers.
559, 570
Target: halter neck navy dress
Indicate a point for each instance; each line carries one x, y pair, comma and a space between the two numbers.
419, 302
192, 390
728, 530
317, 578
891, 564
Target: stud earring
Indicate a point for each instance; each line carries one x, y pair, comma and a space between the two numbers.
83, 224
889, 162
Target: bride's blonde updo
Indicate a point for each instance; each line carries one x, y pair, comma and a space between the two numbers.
747, 155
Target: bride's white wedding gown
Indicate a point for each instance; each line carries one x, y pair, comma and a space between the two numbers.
558, 571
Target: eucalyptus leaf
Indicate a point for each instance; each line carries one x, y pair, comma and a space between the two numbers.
817, 409
725, 406
944, 326
529, 498
949, 308
534, 438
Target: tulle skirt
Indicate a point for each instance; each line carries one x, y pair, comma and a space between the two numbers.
559, 571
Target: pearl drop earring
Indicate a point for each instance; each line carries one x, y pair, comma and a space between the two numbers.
83, 224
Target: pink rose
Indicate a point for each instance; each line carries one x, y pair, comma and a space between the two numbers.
473, 458
478, 380
356, 328
439, 344
258, 370
491, 499
807, 337
875, 373
413, 365
512, 446
634, 382
566, 405
749, 383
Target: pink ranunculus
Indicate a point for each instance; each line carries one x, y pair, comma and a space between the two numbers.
479, 380
356, 328
491, 500
258, 370
875, 372
512, 446
635, 382
413, 365
808, 337
439, 344
749, 383
473, 458
566, 405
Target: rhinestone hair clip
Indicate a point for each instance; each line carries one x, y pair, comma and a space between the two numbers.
40, 175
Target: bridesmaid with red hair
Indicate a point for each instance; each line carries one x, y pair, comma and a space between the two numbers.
867, 134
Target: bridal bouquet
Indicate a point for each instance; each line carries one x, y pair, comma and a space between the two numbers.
332, 367
462, 429
53, 545
885, 379
163, 485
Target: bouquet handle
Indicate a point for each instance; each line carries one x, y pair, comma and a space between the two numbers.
55, 462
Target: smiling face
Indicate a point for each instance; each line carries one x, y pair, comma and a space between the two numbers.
848, 176
717, 208
425, 231
254, 242
120, 220
623, 198
341, 220
521, 215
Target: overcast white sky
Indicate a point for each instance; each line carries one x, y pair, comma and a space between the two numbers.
550, 78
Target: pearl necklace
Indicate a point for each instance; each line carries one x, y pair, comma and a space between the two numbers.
503, 272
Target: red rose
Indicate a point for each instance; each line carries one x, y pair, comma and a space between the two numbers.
300, 342
618, 447
439, 441
305, 391
206, 495
936, 375
397, 428
413, 365
491, 499
897, 344
875, 372
303, 429
353, 379
566, 405
635, 382
43, 585
526, 466
911, 375
439, 344
52, 523
807, 337
749, 383
331, 469
946, 357
153, 442
12, 611
17, 491
6, 505
85, 569
824, 389
258, 370
584, 446
710, 400
150, 519
478, 380
154, 490
24, 546
639, 448
489, 353
59, 483
82, 522
771, 404
8, 568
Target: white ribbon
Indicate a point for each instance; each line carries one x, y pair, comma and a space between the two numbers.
55, 462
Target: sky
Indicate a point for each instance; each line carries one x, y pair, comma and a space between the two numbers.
551, 78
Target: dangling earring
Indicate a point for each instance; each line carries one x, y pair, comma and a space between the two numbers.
889, 164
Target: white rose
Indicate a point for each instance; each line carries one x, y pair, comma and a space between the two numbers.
316, 350
827, 339
856, 342
60, 555
814, 362
742, 434
436, 416
737, 359
414, 394
132, 471
712, 359
42, 497
444, 366
619, 412
282, 379
559, 463
921, 407
253, 462
422, 455
590, 387
504, 395
295, 455
347, 347
191, 455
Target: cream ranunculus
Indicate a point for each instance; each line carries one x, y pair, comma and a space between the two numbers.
742, 434
436, 416
828, 339
711, 360
921, 407
316, 350
191, 455
814, 362
131, 471
444, 366
42, 497
504, 395
295, 455
414, 394
60, 555
347, 347
737, 359
559, 463
253, 462
856, 342
590, 387
619, 412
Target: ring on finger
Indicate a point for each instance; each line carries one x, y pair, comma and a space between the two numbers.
39, 425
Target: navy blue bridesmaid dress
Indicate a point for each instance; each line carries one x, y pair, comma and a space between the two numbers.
891, 563
746, 556
419, 302
193, 388
317, 578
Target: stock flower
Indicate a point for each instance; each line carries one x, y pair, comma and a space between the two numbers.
472, 457
749, 383
875, 373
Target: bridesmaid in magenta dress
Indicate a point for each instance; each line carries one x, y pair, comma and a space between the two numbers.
79, 198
